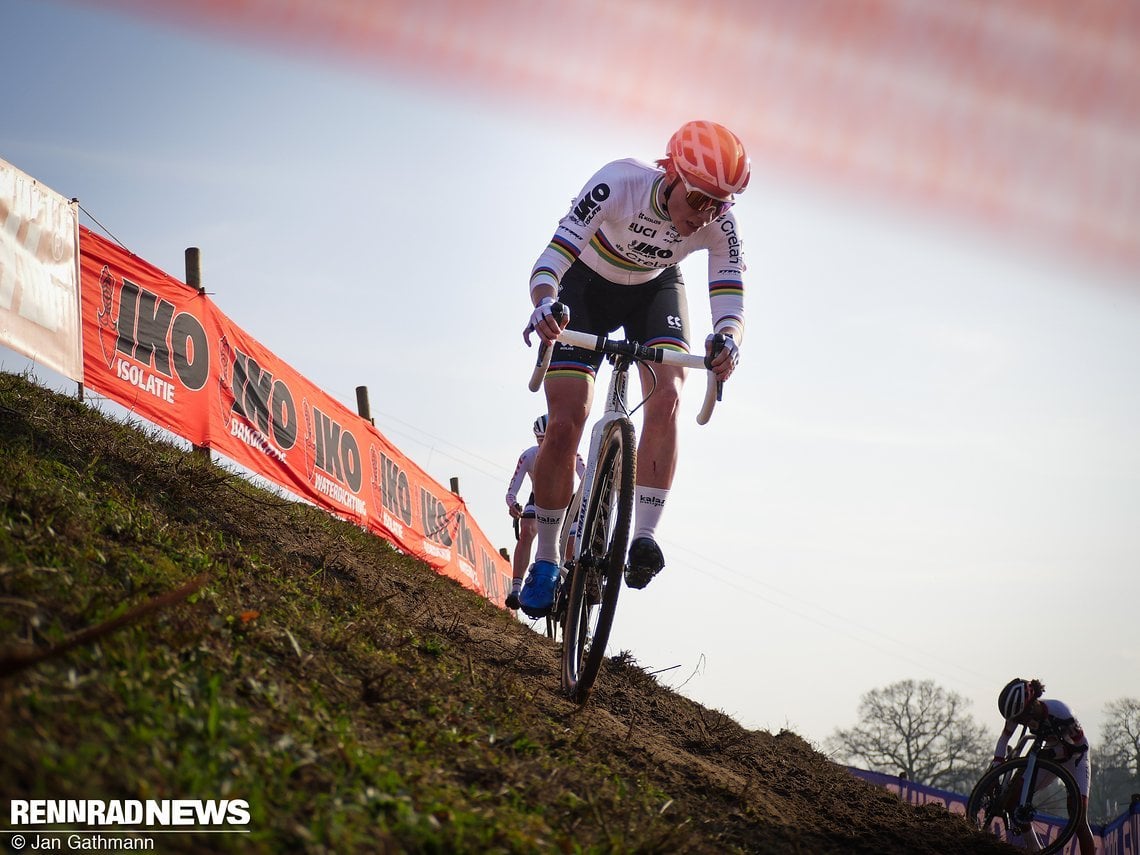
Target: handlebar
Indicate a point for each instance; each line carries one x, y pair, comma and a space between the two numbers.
639, 352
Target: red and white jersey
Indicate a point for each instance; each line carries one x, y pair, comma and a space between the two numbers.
617, 227
525, 469
1058, 718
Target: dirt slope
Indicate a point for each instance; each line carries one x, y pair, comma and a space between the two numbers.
356, 699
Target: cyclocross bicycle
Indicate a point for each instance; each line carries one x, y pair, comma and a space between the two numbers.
585, 609
1030, 800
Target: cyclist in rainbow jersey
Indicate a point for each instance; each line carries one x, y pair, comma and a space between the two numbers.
613, 262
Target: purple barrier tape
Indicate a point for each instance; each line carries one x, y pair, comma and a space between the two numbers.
1119, 837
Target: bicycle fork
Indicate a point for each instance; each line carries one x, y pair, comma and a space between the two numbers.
1023, 812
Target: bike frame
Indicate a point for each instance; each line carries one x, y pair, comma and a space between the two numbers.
616, 409
1028, 822
580, 632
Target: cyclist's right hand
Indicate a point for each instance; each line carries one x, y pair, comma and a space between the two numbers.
548, 319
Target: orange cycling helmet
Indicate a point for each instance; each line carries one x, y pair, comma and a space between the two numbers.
710, 158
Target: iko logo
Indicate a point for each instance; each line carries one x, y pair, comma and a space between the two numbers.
434, 514
673, 321
337, 451
588, 205
391, 482
262, 400
150, 331
643, 248
490, 576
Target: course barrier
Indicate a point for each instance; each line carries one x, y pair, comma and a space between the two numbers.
163, 350
1119, 837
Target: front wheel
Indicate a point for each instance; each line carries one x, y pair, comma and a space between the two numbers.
597, 577
1042, 822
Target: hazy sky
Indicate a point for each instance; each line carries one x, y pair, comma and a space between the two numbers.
927, 465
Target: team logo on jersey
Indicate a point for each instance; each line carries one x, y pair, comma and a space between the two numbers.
729, 231
587, 206
648, 249
673, 322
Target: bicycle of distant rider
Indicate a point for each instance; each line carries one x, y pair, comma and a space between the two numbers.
586, 601
1030, 799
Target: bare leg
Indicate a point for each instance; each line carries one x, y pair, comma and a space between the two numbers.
568, 402
527, 530
1084, 833
657, 448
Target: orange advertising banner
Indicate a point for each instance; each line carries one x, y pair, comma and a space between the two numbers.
157, 346
146, 338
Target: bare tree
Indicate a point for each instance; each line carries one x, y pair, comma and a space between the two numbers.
920, 729
1120, 738
1116, 760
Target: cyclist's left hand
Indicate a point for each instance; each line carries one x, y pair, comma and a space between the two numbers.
546, 322
725, 362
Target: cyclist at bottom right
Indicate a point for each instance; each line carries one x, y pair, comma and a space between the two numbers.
1020, 703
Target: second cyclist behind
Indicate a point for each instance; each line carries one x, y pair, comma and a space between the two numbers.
525, 515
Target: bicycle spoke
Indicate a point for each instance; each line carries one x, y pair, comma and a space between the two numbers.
1044, 821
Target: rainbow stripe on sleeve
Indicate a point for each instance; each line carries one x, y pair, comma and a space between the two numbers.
564, 248
727, 288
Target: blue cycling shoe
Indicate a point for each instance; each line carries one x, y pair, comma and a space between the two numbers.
537, 595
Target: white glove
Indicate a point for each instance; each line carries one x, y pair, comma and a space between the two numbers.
543, 322
726, 361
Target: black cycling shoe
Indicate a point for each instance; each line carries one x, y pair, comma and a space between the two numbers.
645, 562
513, 601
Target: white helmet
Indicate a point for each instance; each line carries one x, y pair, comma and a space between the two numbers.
1013, 698
540, 426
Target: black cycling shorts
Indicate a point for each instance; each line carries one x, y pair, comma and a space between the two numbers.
655, 313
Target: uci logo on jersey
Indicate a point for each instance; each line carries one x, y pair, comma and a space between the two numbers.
587, 206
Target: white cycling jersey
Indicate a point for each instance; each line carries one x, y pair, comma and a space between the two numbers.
525, 469
617, 227
1071, 744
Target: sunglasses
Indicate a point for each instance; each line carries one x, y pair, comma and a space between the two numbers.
700, 202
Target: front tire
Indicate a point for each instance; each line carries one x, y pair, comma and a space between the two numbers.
597, 578
1052, 814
